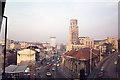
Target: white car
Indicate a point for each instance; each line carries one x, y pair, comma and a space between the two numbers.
48, 74
58, 65
54, 64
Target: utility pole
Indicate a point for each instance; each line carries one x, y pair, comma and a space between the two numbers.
90, 59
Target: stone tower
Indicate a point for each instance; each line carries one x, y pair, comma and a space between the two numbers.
73, 32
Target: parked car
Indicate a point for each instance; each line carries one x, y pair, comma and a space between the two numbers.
100, 74
58, 65
48, 74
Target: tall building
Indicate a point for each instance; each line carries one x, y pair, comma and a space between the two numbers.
76, 42
73, 32
53, 41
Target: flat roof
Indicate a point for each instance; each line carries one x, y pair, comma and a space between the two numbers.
15, 68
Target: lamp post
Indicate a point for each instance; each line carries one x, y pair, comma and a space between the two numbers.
5, 44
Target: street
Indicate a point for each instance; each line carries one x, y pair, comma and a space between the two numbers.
43, 69
107, 66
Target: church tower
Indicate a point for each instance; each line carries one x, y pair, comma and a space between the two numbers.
73, 32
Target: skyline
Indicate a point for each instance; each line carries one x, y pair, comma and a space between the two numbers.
40, 21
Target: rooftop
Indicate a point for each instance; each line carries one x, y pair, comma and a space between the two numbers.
15, 68
83, 53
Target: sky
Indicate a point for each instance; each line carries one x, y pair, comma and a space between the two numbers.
40, 20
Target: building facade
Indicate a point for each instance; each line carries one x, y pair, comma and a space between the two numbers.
73, 32
53, 41
110, 40
15, 46
25, 55
79, 60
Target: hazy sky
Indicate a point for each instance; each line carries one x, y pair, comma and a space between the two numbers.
40, 20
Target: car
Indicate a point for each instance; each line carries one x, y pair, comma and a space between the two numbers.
52, 60
47, 63
48, 74
57, 61
54, 64
50, 64
53, 69
100, 74
58, 65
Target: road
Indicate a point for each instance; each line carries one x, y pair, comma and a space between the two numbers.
109, 67
43, 69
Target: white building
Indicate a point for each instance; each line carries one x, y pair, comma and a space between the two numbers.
53, 41
25, 55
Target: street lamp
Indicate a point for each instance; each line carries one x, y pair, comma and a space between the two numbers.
5, 44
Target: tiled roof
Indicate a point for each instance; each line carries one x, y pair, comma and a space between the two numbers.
83, 53
71, 52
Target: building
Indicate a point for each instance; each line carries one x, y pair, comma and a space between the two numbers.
39, 45
25, 55
15, 45
11, 57
61, 48
53, 41
16, 71
75, 42
23, 44
2, 42
86, 41
28, 55
110, 40
73, 32
75, 61
45, 44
